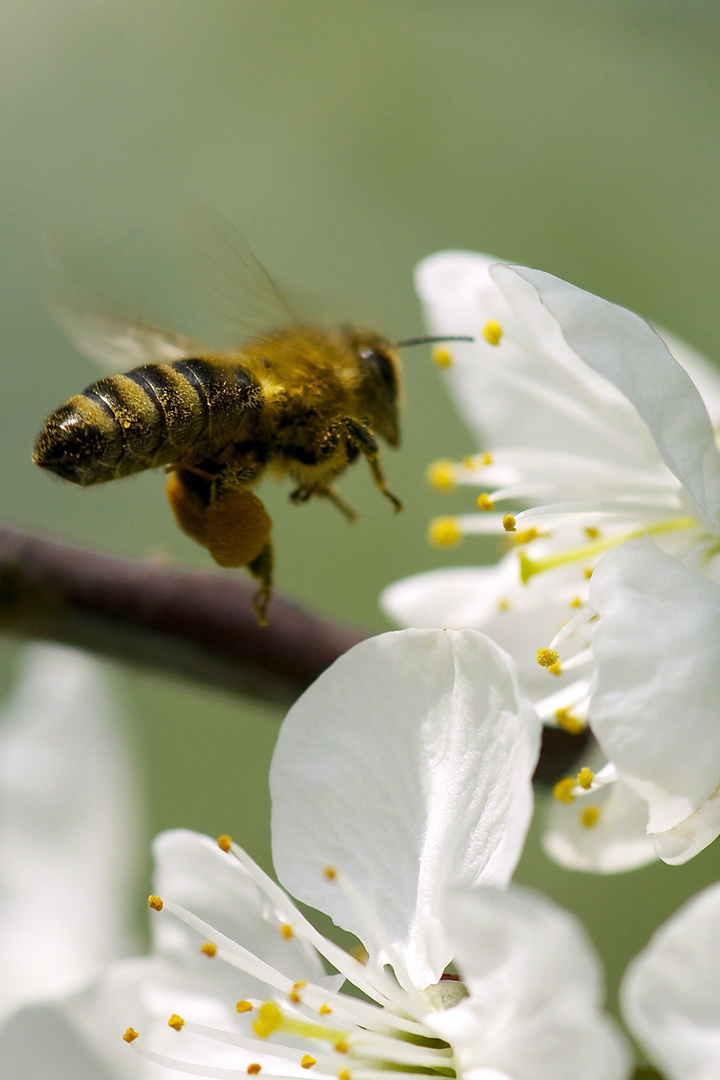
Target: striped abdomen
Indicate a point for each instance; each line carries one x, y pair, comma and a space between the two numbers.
154, 415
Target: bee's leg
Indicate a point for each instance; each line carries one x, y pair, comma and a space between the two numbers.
325, 491
363, 440
261, 568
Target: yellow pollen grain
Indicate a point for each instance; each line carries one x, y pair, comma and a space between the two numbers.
307, 1061
563, 790
508, 523
130, 1035
589, 816
588, 572
591, 532
484, 502
547, 657
585, 778
492, 332
224, 842
568, 722
330, 873
208, 949
442, 357
324, 1010
176, 1022
244, 1006
254, 1068
286, 930
155, 903
444, 532
441, 475
341, 1046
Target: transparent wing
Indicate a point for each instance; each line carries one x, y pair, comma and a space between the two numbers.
237, 286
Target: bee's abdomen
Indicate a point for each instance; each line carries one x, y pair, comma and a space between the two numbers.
153, 415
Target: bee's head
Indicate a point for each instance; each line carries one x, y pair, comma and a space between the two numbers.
379, 389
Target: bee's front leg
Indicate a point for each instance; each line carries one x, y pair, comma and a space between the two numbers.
362, 439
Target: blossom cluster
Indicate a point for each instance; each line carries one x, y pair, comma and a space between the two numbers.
402, 780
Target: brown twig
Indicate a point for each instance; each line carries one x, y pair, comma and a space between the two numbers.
192, 624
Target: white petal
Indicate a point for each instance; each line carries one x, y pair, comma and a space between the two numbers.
654, 708
535, 991
670, 995
618, 840
69, 828
624, 349
408, 766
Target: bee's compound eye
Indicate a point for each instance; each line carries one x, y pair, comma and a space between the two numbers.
383, 366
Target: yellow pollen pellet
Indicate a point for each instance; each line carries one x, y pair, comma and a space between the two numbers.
492, 332
568, 722
224, 842
589, 816
130, 1035
585, 778
208, 949
591, 532
286, 930
441, 475
254, 1068
307, 1061
563, 790
324, 1010
442, 357
244, 1006
508, 523
588, 572
176, 1022
444, 532
341, 1046
485, 502
155, 903
555, 668
330, 873
547, 657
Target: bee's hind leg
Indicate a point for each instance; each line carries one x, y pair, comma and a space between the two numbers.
261, 568
363, 439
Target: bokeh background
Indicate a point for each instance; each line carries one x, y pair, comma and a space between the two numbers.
345, 141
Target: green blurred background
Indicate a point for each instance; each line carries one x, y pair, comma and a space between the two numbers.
345, 141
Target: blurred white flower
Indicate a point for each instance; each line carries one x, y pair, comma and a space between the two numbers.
402, 790
670, 994
593, 433
69, 829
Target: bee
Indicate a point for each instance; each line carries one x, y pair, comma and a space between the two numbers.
302, 402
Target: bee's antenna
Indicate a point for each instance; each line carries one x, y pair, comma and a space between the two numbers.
428, 340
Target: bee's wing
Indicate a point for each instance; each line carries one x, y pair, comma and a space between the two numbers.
239, 287
115, 340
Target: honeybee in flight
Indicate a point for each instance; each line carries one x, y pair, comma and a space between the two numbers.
303, 401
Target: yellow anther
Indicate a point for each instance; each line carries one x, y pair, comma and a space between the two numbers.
547, 657
254, 1068
299, 985
268, 1020
330, 873
589, 816
508, 523
344, 1074
555, 668
487, 458
585, 778
576, 602
244, 1006
359, 953
176, 1022
445, 532
224, 842
568, 722
492, 332
307, 1061
563, 790
341, 1046
470, 463
155, 903
504, 604
591, 532
294, 997
208, 949
588, 572
484, 502
324, 1010
525, 536
442, 357
286, 930
130, 1035
441, 475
